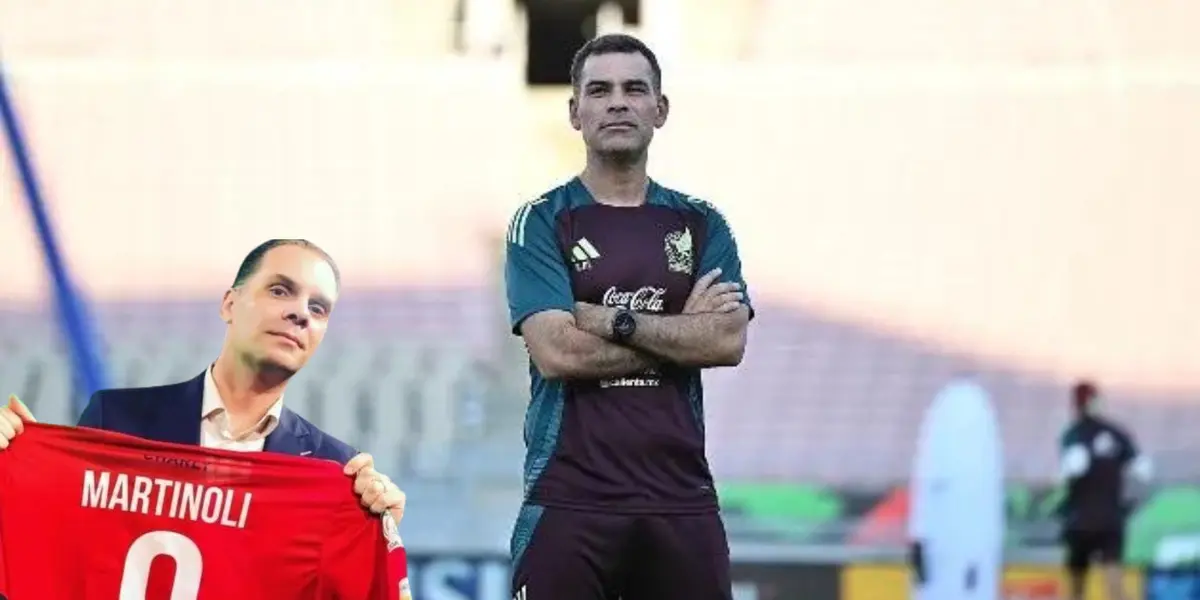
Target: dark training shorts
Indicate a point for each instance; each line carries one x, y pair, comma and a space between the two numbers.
569, 554
1083, 547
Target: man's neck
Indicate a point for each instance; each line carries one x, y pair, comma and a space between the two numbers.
616, 183
247, 393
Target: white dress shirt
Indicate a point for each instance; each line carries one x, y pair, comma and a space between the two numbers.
214, 423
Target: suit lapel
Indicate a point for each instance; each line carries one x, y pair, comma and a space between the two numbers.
290, 437
179, 422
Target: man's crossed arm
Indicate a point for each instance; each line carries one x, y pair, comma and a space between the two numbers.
692, 340
711, 332
562, 350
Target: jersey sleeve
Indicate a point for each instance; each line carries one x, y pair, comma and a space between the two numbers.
395, 567
397, 572
1067, 438
721, 251
535, 272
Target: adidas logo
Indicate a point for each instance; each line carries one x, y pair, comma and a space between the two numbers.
520, 595
582, 254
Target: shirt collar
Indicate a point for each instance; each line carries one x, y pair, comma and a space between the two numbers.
213, 404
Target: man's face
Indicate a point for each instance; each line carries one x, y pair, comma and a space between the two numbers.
616, 106
278, 317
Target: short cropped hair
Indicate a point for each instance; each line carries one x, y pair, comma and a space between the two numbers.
254, 259
1083, 394
614, 43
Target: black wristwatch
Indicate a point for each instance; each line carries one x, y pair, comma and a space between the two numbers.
623, 325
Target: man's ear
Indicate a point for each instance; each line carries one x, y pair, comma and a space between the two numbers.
227, 305
573, 113
664, 109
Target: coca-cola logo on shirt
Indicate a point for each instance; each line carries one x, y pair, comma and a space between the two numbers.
645, 299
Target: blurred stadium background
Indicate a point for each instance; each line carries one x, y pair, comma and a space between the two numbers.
920, 189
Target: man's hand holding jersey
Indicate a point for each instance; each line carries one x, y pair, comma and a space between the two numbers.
13, 417
375, 490
710, 331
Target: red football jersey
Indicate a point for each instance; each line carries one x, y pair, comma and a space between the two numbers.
88, 514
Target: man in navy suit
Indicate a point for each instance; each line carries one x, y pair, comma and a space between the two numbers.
276, 315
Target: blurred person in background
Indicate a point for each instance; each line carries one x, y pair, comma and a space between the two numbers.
276, 313
1096, 456
623, 290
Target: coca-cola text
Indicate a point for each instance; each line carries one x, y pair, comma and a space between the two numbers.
647, 299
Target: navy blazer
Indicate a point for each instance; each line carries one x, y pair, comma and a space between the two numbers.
171, 413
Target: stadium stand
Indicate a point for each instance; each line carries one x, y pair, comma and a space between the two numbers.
816, 400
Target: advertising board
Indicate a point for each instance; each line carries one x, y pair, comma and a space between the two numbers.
1019, 582
1173, 584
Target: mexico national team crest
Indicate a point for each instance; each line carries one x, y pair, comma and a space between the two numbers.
679, 251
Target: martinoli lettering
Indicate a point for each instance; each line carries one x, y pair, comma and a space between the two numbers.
165, 498
646, 299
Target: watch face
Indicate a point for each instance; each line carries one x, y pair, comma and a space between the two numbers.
623, 323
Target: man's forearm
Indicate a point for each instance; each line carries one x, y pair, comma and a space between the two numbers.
700, 340
695, 340
583, 355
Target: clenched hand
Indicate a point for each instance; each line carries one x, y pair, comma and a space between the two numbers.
13, 419
709, 296
375, 490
